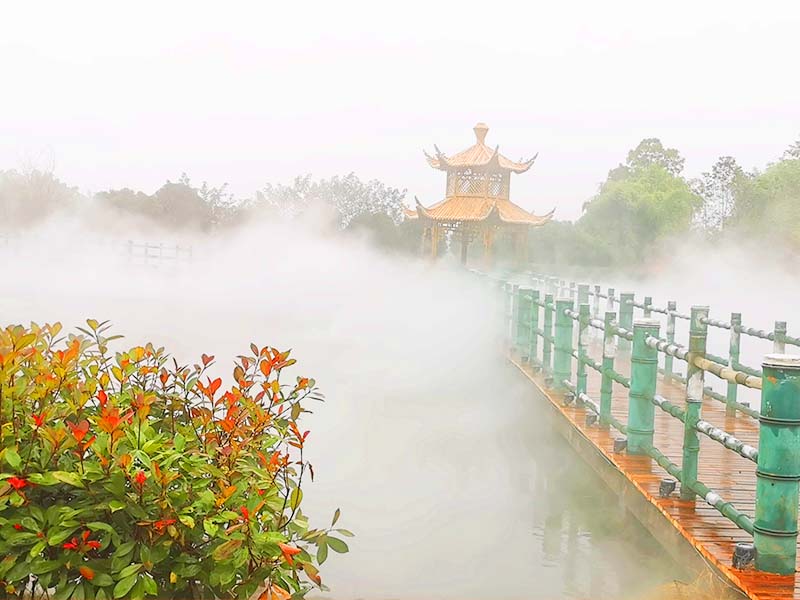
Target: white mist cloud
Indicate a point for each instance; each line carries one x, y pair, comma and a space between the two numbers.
431, 446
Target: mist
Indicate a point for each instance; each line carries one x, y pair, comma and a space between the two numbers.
427, 441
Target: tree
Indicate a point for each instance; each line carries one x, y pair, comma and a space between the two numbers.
178, 205
651, 151
631, 215
793, 151
767, 204
718, 189
30, 196
348, 196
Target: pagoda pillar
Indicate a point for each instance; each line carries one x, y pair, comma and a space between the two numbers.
464, 245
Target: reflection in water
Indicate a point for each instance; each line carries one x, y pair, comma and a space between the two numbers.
471, 495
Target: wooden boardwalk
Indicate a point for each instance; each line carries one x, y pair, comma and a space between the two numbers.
725, 472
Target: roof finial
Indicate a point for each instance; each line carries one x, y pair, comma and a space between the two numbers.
481, 129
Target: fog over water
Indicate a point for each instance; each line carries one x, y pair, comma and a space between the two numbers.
428, 441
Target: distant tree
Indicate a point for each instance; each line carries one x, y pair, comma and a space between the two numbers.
631, 215
30, 196
382, 231
128, 200
288, 200
767, 205
793, 151
651, 151
178, 205
718, 189
348, 196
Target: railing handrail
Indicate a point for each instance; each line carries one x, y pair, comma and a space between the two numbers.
560, 316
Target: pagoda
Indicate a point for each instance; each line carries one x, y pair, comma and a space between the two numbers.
476, 203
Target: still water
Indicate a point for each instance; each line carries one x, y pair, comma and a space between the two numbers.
483, 502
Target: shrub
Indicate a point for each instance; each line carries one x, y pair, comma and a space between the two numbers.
127, 474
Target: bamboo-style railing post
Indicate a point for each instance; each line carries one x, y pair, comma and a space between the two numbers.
691, 447
644, 373
583, 342
512, 317
625, 317
562, 362
733, 362
572, 292
547, 344
695, 381
648, 307
583, 294
523, 340
609, 351
533, 352
779, 335
596, 302
778, 471
671, 307
610, 301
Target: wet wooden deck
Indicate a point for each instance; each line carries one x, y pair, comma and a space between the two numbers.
724, 471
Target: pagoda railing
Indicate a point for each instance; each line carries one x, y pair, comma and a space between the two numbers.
550, 324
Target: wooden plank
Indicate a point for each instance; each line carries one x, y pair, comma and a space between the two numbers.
725, 472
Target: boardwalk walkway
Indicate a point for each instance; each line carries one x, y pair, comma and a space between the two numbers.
727, 473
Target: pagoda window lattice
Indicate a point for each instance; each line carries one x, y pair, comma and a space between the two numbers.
477, 183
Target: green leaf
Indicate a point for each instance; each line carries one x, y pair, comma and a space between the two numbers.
322, 552
180, 442
124, 586
57, 537
62, 593
18, 571
102, 580
337, 545
37, 548
72, 479
296, 498
40, 567
12, 458
150, 587
346, 532
131, 569
186, 520
210, 528
336, 516
116, 505
124, 549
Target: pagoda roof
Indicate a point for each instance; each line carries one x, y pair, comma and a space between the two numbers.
469, 209
478, 156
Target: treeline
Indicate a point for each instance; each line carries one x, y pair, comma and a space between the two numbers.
647, 204
640, 212
346, 204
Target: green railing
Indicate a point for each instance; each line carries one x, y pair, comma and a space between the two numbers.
549, 325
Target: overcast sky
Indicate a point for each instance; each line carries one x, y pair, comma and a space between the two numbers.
256, 92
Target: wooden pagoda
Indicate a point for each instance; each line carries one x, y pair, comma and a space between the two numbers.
477, 203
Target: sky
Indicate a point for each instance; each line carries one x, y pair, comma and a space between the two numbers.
245, 93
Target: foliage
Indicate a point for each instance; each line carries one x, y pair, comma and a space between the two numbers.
718, 189
630, 215
564, 243
348, 196
793, 151
177, 205
649, 152
29, 196
387, 235
127, 474
767, 204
